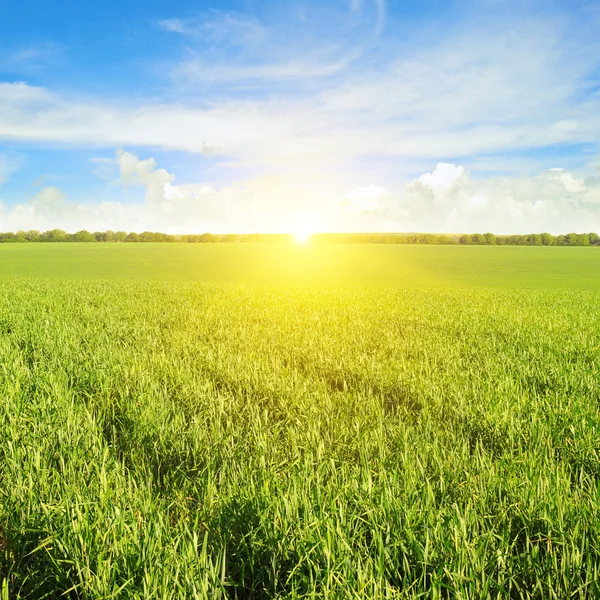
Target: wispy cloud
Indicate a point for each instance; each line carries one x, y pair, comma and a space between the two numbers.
528, 87
525, 85
29, 59
10, 162
297, 43
173, 25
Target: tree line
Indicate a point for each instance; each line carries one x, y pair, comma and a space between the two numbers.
58, 235
468, 239
478, 239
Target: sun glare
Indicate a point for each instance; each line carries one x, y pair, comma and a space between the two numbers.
301, 236
304, 226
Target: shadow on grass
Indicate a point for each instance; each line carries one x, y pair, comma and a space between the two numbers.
29, 568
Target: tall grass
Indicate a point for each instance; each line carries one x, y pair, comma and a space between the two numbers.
225, 441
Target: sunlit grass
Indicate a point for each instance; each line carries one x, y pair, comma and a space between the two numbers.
185, 440
357, 265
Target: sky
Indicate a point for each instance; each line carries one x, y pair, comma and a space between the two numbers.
330, 115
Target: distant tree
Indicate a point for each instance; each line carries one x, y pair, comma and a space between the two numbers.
157, 236
9, 236
146, 236
84, 236
54, 235
533, 239
427, 238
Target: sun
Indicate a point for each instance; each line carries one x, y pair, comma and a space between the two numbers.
302, 236
304, 226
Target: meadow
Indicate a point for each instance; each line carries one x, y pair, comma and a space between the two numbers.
246, 421
417, 266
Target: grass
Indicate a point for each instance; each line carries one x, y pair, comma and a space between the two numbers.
198, 439
514, 267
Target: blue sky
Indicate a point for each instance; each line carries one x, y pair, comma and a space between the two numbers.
258, 115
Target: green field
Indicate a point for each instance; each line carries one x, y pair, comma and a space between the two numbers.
259, 421
514, 267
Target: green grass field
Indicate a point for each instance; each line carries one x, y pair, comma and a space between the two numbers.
514, 267
332, 422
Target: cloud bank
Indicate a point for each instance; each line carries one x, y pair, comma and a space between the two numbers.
445, 200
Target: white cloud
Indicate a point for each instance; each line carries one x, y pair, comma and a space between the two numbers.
443, 177
445, 200
369, 201
370, 192
554, 201
458, 97
145, 173
571, 184
47, 207
262, 204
